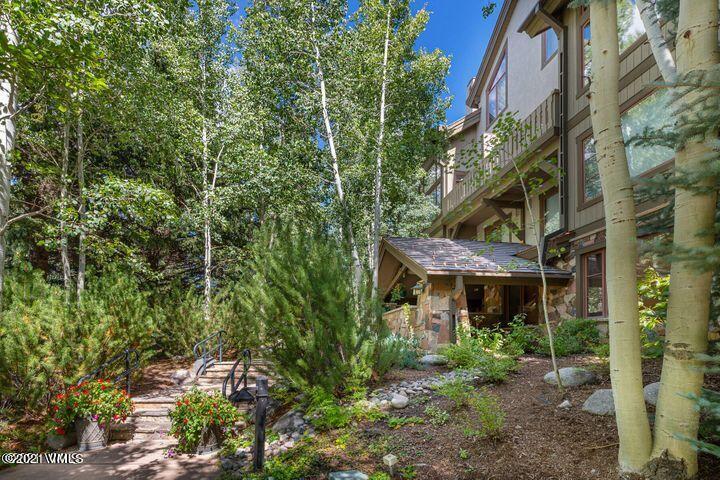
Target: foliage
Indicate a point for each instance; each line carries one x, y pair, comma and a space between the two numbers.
99, 400
46, 344
709, 405
325, 411
490, 414
380, 476
397, 422
653, 290
300, 462
463, 454
179, 320
437, 415
573, 336
458, 391
481, 350
404, 351
522, 338
194, 412
321, 332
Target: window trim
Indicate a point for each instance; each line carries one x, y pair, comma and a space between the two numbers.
584, 279
545, 61
492, 83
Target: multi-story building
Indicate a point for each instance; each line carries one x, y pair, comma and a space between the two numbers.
473, 270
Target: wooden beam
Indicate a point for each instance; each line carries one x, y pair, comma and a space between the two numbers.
507, 219
401, 269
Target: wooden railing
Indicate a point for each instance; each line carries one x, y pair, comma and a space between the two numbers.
538, 127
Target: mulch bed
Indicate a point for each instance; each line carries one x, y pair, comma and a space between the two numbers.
539, 440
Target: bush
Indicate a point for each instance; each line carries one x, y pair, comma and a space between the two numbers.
180, 322
572, 337
481, 350
490, 414
321, 332
46, 344
654, 290
197, 410
522, 338
325, 411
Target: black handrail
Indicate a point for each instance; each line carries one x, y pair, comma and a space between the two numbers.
202, 352
230, 379
131, 359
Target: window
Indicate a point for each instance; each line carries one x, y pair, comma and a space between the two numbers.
497, 93
594, 284
630, 25
436, 195
586, 55
648, 114
549, 45
590, 171
550, 205
630, 28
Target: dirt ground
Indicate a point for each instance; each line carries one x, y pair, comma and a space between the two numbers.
539, 441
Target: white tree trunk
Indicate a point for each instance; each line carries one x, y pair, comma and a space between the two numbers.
64, 257
658, 44
688, 306
207, 226
8, 106
81, 206
377, 211
621, 241
347, 221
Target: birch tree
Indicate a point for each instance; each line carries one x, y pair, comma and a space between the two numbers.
621, 240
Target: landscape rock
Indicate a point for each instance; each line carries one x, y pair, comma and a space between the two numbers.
434, 360
571, 377
58, 442
288, 421
181, 376
651, 392
565, 404
399, 401
349, 475
600, 403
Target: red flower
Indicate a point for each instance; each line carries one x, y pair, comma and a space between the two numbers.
60, 431
56, 408
185, 420
85, 392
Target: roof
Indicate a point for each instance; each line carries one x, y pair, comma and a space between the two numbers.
444, 256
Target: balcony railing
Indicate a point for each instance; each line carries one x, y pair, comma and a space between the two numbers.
539, 127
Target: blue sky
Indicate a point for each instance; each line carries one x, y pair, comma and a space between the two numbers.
458, 28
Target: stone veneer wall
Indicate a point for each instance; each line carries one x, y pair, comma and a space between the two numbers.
402, 320
561, 300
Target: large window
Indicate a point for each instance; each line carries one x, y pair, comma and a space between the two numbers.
549, 45
649, 114
594, 301
630, 28
590, 171
550, 205
497, 93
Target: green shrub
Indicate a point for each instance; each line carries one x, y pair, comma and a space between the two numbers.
654, 291
481, 350
325, 411
179, 318
571, 337
320, 330
46, 344
459, 392
490, 414
521, 338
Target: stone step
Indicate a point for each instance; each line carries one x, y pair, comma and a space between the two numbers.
156, 413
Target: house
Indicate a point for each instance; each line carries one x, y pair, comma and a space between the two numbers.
477, 264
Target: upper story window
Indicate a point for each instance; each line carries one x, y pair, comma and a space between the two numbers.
550, 205
549, 45
630, 28
648, 114
497, 93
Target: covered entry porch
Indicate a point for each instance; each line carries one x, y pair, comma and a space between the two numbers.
433, 285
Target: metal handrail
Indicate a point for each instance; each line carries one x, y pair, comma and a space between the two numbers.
131, 359
230, 378
202, 352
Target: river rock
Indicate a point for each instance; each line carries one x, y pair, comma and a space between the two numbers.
399, 401
570, 377
600, 402
348, 475
181, 376
434, 360
651, 392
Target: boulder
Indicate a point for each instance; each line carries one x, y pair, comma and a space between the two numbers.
434, 360
571, 377
348, 475
600, 402
287, 421
181, 376
399, 401
651, 392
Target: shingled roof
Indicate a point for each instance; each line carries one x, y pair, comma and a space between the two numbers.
444, 256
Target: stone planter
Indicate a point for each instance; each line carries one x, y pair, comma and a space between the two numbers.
211, 440
89, 434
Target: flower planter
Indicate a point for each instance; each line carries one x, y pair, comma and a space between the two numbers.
210, 440
90, 436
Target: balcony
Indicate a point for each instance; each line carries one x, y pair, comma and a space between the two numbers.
542, 125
